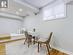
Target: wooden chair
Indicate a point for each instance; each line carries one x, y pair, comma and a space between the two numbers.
28, 38
40, 42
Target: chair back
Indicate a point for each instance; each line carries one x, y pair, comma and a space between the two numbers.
49, 37
26, 34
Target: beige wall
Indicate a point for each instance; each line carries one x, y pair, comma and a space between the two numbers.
9, 25
62, 28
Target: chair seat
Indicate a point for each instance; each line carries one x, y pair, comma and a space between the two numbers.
42, 39
45, 41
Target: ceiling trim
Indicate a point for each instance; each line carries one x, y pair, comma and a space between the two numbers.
28, 5
48, 4
11, 15
8, 17
42, 6
70, 2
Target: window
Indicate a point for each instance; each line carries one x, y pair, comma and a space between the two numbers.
56, 12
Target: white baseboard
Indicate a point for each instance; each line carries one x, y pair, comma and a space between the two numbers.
64, 51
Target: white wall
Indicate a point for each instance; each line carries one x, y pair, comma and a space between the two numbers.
62, 28
9, 25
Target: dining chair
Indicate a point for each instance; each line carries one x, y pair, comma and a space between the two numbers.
46, 42
28, 38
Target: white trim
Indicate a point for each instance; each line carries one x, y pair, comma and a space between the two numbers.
10, 15
25, 4
67, 1
64, 51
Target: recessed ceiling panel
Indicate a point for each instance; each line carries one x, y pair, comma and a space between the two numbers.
38, 3
17, 9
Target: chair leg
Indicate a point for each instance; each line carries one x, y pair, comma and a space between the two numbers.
38, 46
28, 44
50, 46
34, 41
25, 40
48, 49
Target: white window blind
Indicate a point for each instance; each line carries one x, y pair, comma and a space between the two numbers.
56, 12
48, 14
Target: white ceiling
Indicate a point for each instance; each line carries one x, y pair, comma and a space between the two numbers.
38, 3
14, 9
29, 8
43, 3
71, 2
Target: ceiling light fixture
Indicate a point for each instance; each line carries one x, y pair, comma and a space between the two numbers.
3, 9
20, 10
17, 13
